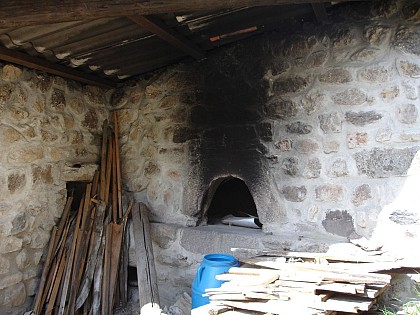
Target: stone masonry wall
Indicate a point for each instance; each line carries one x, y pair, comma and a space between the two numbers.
328, 115
47, 125
323, 118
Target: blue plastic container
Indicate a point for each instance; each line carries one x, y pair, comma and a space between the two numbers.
212, 265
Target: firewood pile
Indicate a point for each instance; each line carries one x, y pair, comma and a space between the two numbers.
303, 283
85, 271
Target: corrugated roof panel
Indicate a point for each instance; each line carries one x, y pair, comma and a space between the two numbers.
117, 47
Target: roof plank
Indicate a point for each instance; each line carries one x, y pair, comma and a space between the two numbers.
23, 59
33, 12
154, 25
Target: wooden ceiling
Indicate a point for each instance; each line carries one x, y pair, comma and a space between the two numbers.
104, 42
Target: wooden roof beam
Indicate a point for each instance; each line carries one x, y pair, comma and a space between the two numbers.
157, 27
16, 13
28, 61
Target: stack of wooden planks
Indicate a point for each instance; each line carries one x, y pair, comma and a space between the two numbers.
85, 271
301, 283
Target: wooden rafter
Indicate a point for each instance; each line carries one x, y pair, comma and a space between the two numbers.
32, 12
36, 63
154, 25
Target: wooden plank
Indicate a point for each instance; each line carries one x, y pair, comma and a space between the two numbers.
37, 302
56, 285
157, 27
118, 162
115, 213
63, 221
116, 241
110, 157
272, 307
103, 160
98, 275
146, 272
106, 269
95, 184
369, 257
347, 288
36, 63
33, 12
325, 272
347, 304
93, 257
70, 261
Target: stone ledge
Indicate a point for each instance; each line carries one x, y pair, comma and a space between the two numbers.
201, 240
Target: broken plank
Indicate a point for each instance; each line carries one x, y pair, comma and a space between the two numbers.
93, 257
146, 272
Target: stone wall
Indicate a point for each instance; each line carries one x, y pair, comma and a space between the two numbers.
321, 123
325, 119
47, 125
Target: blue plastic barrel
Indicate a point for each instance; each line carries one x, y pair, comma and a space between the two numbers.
212, 265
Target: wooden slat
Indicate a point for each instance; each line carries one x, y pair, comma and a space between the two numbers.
36, 63
69, 265
159, 28
117, 233
56, 285
103, 160
115, 212
146, 272
118, 163
110, 157
106, 270
32, 12
37, 304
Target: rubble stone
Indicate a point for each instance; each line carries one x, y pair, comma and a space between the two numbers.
11, 72
352, 96
281, 109
407, 113
299, 127
357, 140
336, 76
410, 69
338, 168
361, 194
330, 123
291, 85
362, 118
382, 163
294, 193
338, 222
290, 166
330, 192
